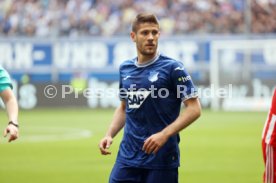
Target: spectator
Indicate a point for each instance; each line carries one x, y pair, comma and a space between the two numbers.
74, 18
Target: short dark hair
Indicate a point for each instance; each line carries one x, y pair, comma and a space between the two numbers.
144, 18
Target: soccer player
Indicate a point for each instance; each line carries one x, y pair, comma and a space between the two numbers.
269, 144
11, 105
152, 89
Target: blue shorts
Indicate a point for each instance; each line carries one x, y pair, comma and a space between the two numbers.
126, 174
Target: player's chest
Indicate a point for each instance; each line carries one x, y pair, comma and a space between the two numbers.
142, 78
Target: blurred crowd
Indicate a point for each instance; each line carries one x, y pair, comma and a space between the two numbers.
76, 18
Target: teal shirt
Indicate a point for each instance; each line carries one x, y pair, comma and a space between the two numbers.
5, 80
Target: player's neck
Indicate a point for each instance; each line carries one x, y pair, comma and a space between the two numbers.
143, 59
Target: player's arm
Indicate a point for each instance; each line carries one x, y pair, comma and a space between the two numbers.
116, 125
190, 114
12, 111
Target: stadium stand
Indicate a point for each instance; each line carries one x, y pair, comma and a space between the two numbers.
77, 18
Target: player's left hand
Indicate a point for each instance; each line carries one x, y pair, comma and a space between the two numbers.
154, 143
13, 131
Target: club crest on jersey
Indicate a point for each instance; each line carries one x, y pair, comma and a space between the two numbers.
136, 98
153, 76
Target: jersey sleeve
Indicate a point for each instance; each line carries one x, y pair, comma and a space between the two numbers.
182, 82
5, 81
122, 91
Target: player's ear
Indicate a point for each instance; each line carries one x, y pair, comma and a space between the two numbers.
133, 36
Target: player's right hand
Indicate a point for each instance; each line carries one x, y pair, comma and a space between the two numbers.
13, 131
104, 145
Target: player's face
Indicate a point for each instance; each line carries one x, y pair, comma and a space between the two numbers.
146, 38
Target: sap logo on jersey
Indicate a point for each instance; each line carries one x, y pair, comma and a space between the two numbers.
136, 98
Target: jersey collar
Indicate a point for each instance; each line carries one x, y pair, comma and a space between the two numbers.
148, 62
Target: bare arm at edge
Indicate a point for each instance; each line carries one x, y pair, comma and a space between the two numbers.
116, 125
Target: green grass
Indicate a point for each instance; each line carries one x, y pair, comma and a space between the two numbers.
219, 147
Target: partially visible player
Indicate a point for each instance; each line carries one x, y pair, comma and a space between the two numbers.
269, 144
10, 102
152, 89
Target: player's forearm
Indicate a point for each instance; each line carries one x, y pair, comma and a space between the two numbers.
118, 122
188, 116
10, 104
12, 109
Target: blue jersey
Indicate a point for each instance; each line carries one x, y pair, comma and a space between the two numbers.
153, 94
